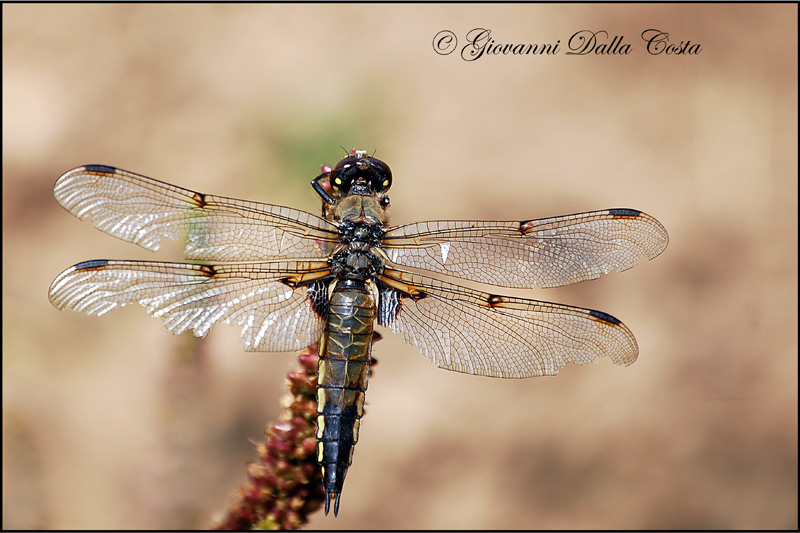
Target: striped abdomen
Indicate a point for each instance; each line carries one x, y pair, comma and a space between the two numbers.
344, 357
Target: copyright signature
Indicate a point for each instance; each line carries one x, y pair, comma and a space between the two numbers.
445, 42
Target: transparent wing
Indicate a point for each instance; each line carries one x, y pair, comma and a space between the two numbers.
475, 332
277, 304
144, 211
546, 252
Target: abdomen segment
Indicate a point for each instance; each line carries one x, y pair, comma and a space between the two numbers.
343, 372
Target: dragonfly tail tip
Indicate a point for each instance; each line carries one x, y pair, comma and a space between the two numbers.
335, 496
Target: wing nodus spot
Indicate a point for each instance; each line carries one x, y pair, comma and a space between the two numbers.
199, 199
495, 301
605, 317
208, 270
526, 227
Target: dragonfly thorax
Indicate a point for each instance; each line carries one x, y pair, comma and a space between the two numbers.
371, 234
357, 259
361, 209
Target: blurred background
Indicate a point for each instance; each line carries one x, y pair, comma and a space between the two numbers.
107, 425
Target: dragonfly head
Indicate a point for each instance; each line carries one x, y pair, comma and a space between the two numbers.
358, 173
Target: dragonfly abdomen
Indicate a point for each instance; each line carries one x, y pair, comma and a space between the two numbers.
343, 372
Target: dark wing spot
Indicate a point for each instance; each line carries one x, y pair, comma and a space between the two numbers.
199, 199
94, 264
208, 270
289, 282
389, 305
100, 168
624, 213
495, 300
390, 302
318, 296
605, 317
527, 226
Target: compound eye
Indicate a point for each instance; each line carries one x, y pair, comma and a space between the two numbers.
340, 179
381, 175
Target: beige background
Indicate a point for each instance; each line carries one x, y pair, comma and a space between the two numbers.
104, 426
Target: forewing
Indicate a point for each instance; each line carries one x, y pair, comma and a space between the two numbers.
546, 252
475, 332
277, 304
145, 211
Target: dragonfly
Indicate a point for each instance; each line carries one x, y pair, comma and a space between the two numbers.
290, 279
